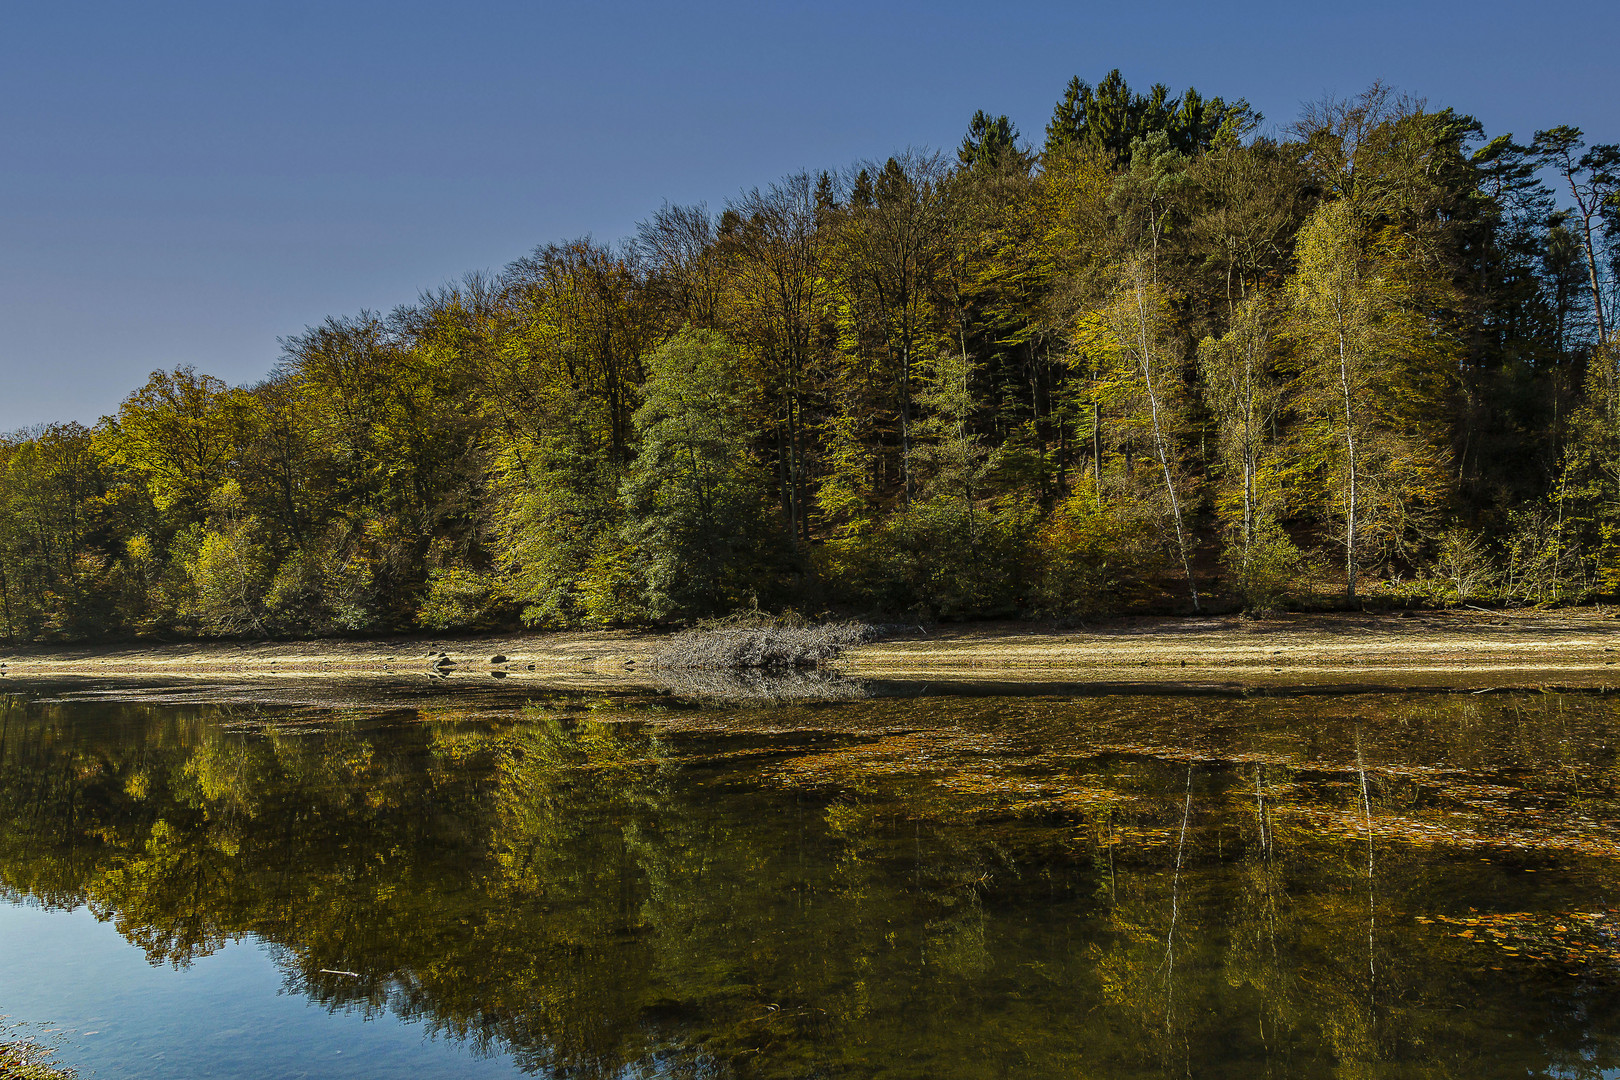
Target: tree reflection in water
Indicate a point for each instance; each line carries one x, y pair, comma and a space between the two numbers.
946, 887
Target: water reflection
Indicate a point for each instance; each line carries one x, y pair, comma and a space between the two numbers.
756, 687
946, 887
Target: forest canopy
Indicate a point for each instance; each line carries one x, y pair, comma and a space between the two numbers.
1160, 362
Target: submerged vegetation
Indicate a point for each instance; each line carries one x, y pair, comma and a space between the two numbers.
1160, 361
25, 1057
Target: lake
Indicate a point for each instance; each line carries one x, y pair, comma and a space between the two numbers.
966, 884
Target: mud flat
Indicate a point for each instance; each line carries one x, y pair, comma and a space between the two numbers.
1466, 649
1462, 650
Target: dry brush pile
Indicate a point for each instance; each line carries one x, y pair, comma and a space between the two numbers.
755, 643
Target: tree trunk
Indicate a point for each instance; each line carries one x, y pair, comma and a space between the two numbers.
1096, 444
1160, 446
1592, 277
1350, 568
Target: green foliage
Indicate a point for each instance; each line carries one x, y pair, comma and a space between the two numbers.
1133, 331
1540, 562
457, 598
941, 557
991, 144
1268, 571
177, 435
1098, 557
556, 516
699, 522
932, 384
1375, 373
230, 571
1111, 116
1245, 393
1463, 565
326, 587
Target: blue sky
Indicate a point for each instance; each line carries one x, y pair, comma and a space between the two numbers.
182, 183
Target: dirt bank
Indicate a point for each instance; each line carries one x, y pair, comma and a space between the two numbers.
1457, 649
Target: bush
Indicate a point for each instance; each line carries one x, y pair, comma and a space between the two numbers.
939, 558
1096, 557
1540, 561
329, 587
1463, 565
457, 598
1271, 572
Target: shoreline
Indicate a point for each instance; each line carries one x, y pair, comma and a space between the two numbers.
1320, 652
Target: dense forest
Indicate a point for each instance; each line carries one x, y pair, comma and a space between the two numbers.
1160, 362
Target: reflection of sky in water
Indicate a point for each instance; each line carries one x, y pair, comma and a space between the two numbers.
224, 1016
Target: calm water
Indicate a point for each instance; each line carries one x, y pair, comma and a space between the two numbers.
1378, 885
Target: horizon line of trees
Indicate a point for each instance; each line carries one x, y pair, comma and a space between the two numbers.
1158, 363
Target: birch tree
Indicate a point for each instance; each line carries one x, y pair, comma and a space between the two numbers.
1150, 389
1373, 381
1246, 393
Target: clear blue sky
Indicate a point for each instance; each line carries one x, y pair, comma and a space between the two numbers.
182, 183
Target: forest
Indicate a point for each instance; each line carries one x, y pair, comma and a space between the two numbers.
1158, 360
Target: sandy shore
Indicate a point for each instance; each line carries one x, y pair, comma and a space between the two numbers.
1466, 641
1466, 649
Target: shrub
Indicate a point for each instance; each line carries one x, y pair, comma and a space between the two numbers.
939, 558
1270, 572
1463, 565
1096, 557
457, 598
